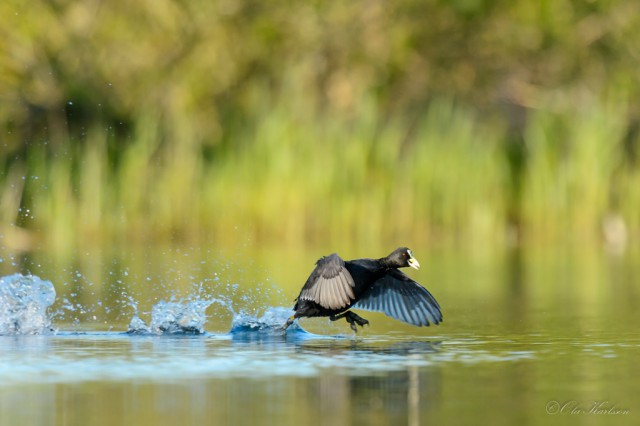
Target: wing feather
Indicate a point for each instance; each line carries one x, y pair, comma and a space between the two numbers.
400, 297
340, 290
334, 297
330, 285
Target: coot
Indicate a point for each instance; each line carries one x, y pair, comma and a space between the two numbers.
335, 286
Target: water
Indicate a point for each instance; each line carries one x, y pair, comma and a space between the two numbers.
23, 304
528, 338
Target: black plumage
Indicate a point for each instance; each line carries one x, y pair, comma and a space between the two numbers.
335, 286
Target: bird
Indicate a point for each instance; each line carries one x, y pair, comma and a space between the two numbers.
336, 286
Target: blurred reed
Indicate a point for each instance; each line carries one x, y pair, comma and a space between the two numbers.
298, 178
318, 123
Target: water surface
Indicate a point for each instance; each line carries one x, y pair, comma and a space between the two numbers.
546, 338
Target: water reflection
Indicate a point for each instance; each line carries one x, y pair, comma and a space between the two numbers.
521, 329
374, 380
77, 357
72, 357
336, 380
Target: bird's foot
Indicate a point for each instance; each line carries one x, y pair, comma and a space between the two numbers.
358, 319
352, 319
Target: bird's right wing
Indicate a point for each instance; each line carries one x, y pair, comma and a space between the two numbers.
400, 297
330, 285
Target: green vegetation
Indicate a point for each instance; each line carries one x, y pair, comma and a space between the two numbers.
471, 122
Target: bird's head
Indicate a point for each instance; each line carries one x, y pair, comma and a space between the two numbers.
403, 257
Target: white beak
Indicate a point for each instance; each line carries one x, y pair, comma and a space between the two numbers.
414, 263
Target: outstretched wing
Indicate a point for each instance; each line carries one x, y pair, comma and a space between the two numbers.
400, 297
330, 285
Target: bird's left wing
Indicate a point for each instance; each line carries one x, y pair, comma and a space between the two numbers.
330, 285
400, 297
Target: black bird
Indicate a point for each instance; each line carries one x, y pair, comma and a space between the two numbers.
335, 286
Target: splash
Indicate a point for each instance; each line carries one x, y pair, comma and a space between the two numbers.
269, 325
273, 318
175, 317
24, 300
189, 317
138, 326
24, 303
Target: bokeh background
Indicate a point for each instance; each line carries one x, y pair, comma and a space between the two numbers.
466, 122
207, 152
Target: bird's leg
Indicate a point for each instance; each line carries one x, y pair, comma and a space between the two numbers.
351, 318
337, 317
289, 322
358, 319
348, 317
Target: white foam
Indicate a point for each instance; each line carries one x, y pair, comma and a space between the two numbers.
24, 300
